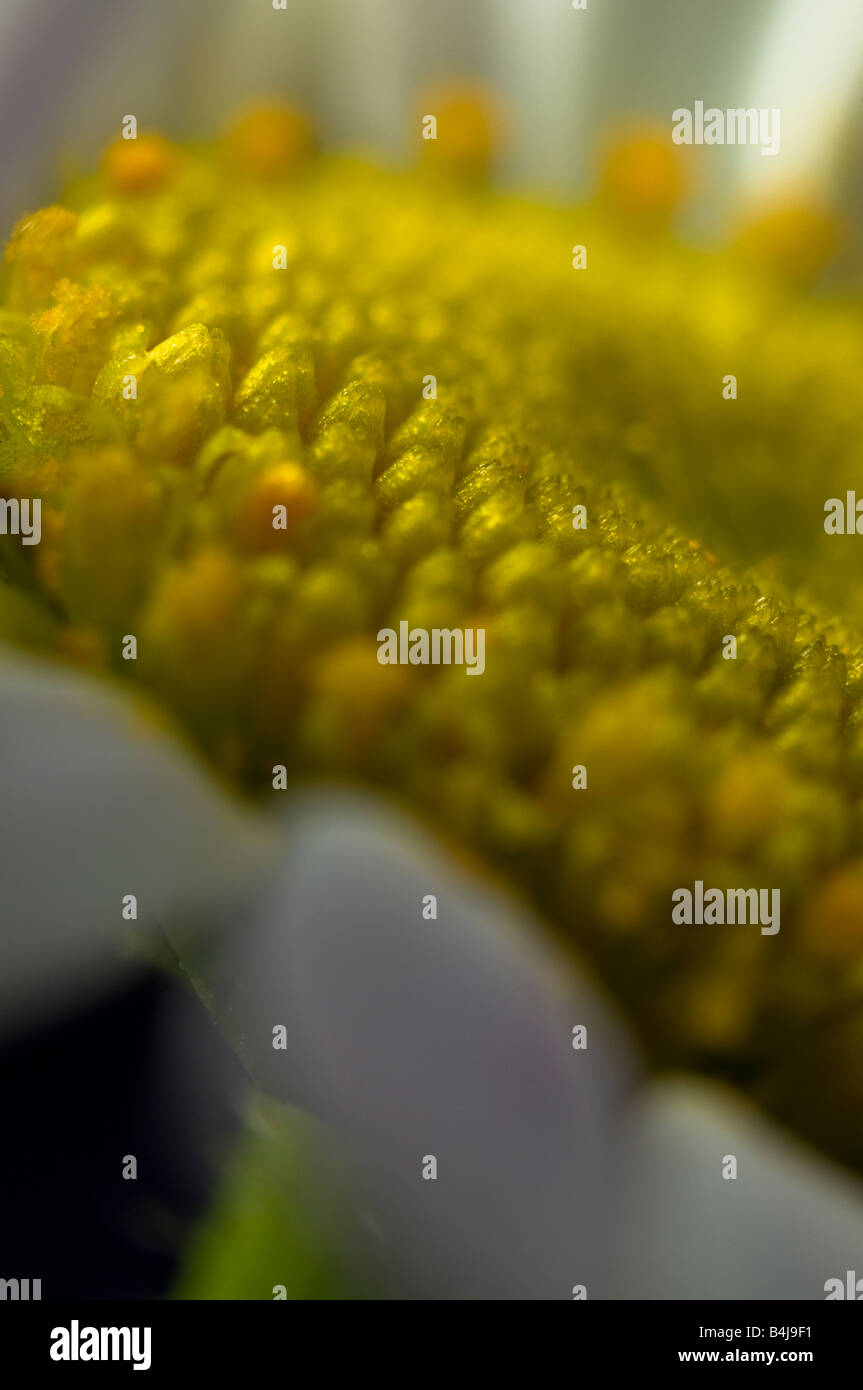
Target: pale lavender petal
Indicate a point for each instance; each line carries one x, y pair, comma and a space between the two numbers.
790, 1221
97, 804
447, 1038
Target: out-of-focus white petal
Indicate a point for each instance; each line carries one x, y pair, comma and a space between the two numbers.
71, 69
95, 805
447, 1038
809, 67
786, 1224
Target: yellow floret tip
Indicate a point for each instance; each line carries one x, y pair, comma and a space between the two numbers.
140, 166
269, 140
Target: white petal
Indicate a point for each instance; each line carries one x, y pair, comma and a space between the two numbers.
790, 1221
449, 1038
95, 805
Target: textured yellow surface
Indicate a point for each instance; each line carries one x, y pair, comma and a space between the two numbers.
302, 386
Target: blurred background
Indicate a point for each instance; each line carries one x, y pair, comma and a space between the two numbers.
69, 69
